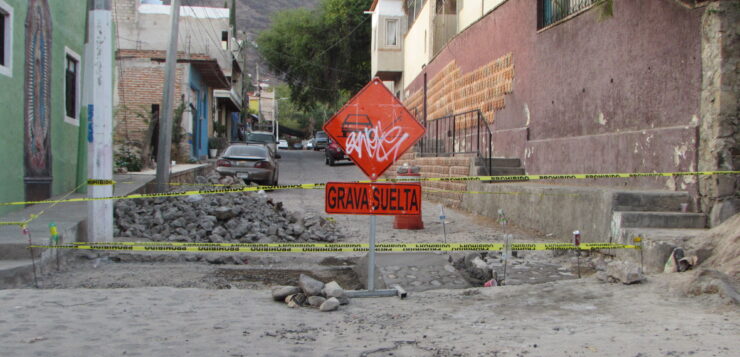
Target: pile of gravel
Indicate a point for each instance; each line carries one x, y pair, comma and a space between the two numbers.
233, 217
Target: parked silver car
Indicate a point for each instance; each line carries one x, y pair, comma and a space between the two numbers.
250, 163
264, 137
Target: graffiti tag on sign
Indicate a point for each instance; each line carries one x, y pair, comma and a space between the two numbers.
373, 198
374, 129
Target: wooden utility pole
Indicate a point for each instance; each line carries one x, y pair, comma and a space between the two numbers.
99, 98
168, 98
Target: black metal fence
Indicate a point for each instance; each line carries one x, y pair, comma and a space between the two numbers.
458, 134
552, 11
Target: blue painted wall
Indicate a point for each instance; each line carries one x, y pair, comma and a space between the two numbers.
199, 138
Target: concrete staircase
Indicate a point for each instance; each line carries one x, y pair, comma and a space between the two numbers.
499, 167
656, 217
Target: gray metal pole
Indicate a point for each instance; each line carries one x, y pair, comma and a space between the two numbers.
98, 97
371, 256
168, 98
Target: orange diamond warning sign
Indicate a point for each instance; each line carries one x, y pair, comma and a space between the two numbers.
374, 129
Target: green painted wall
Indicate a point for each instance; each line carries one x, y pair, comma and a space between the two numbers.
67, 140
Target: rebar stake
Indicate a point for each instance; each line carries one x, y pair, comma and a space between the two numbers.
25, 231
577, 244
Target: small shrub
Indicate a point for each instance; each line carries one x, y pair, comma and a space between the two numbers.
126, 157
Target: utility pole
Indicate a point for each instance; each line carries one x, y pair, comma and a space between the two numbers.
259, 98
99, 98
275, 113
168, 98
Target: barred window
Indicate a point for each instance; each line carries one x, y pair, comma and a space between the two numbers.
552, 11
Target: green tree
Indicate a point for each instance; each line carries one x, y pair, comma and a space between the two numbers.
322, 54
307, 120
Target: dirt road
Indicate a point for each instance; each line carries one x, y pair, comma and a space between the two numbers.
571, 318
178, 307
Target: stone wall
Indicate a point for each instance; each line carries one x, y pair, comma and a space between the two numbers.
719, 147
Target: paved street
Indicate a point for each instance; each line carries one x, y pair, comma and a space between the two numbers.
298, 167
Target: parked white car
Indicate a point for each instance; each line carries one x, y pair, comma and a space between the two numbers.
282, 144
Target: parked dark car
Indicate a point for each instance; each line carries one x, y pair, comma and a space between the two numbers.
334, 153
320, 141
250, 163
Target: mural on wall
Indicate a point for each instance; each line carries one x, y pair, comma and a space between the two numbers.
37, 100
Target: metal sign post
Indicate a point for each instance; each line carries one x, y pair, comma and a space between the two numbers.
374, 129
371, 255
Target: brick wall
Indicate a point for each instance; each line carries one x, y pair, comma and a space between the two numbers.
450, 91
141, 84
448, 193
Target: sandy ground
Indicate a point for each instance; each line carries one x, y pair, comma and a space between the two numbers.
568, 318
176, 308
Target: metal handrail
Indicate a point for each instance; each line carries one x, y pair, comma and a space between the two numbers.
455, 134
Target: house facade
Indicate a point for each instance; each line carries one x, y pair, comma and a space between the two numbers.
44, 129
208, 79
579, 86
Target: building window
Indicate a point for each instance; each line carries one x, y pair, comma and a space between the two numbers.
225, 40
391, 32
6, 39
413, 9
552, 11
72, 87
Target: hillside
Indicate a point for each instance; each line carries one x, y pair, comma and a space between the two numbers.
254, 16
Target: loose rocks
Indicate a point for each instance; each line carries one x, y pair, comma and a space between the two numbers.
309, 285
242, 217
474, 269
330, 304
316, 301
279, 293
333, 289
311, 292
622, 272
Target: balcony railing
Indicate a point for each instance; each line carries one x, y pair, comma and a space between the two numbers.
458, 134
552, 11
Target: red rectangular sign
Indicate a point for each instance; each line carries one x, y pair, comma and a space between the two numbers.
395, 199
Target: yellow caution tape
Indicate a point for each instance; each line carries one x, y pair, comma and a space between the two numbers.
327, 247
500, 193
92, 182
311, 186
19, 223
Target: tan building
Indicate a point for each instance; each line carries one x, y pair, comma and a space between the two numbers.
208, 84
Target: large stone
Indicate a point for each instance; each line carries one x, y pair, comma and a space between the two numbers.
316, 301
309, 285
723, 210
178, 223
310, 220
330, 304
223, 213
343, 300
170, 214
279, 293
332, 289
297, 229
624, 272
